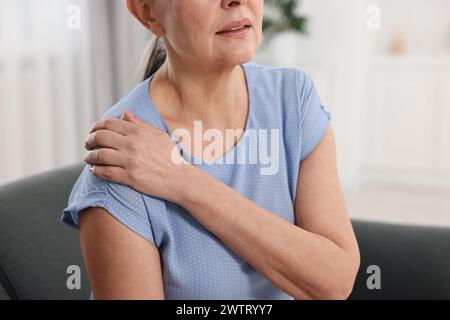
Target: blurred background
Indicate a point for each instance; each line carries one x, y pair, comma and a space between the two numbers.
382, 69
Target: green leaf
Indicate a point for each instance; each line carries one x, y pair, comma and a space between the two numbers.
286, 18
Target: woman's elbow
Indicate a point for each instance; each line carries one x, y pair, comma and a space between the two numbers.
344, 288
341, 287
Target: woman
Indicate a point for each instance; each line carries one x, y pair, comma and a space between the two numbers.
154, 224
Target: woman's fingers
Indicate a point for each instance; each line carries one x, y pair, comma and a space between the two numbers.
117, 125
105, 156
128, 116
106, 139
110, 173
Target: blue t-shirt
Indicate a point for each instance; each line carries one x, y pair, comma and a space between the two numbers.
195, 263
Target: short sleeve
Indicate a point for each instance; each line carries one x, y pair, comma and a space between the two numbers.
122, 202
314, 117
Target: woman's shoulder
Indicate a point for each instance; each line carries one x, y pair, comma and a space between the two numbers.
267, 67
274, 71
131, 207
120, 200
281, 79
137, 101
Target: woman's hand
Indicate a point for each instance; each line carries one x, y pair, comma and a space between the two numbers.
134, 153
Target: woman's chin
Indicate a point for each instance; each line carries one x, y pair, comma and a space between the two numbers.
238, 56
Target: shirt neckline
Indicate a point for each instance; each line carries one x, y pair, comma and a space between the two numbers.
191, 158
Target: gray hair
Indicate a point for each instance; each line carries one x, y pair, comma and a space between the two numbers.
153, 58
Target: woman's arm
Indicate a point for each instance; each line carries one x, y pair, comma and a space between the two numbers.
320, 209
316, 259
120, 263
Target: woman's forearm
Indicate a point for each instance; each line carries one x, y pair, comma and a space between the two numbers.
303, 264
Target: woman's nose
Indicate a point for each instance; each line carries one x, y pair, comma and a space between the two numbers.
230, 3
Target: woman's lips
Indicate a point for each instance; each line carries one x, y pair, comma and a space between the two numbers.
234, 33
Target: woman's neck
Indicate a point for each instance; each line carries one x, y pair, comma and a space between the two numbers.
204, 92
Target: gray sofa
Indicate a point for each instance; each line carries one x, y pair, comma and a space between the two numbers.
36, 249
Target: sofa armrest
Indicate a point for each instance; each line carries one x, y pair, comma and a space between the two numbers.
414, 261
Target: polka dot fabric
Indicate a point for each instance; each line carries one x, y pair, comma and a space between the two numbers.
195, 263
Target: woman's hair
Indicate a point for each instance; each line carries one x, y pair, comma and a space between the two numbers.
154, 57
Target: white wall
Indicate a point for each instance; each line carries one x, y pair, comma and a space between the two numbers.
333, 55
426, 23
390, 114
340, 53
55, 81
